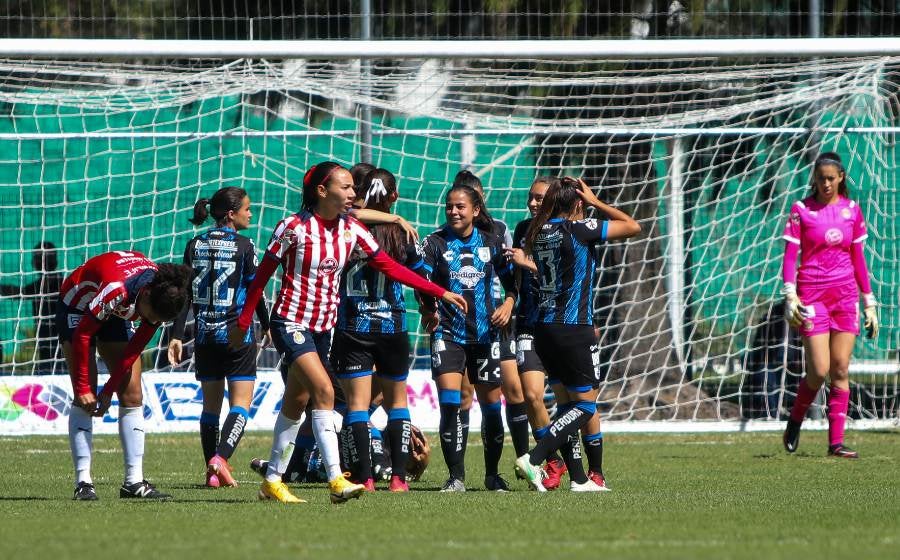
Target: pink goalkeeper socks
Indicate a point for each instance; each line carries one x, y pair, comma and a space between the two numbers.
838, 403
805, 397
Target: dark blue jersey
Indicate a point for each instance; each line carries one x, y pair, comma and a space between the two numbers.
371, 302
224, 264
472, 268
567, 266
526, 312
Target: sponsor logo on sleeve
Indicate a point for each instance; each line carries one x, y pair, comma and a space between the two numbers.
795, 218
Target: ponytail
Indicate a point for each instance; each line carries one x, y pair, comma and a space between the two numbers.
226, 199
200, 212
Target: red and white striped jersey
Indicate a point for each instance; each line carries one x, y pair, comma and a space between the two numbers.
107, 285
313, 252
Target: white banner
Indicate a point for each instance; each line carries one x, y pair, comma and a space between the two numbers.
173, 403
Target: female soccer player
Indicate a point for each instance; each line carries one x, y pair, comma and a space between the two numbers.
828, 229
224, 264
531, 371
510, 385
371, 335
561, 242
313, 246
97, 302
466, 257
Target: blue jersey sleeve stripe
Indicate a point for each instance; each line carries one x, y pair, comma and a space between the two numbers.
604, 231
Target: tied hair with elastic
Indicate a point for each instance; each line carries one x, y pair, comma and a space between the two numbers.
375, 192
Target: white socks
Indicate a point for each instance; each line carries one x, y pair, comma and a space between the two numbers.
282, 446
131, 432
326, 438
81, 442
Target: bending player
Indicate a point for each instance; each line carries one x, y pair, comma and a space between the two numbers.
821, 299
224, 264
561, 241
97, 304
313, 246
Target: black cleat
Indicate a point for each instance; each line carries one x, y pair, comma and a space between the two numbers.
85, 492
495, 483
840, 450
791, 436
142, 490
259, 466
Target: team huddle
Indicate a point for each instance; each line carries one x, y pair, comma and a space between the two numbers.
507, 315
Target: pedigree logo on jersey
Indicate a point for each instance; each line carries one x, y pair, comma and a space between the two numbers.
328, 266
468, 276
834, 236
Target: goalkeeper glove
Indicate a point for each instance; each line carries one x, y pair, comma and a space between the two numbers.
871, 324
793, 308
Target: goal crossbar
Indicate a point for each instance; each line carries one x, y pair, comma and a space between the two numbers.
563, 49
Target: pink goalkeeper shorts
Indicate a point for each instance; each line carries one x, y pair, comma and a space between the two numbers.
830, 309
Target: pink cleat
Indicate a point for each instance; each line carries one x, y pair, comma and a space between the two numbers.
219, 467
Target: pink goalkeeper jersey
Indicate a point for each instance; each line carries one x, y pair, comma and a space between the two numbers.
825, 234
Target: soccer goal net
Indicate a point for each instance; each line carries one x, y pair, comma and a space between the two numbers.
708, 152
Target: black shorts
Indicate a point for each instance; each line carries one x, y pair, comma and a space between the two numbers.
526, 356
113, 329
215, 362
570, 354
481, 362
356, 354
507, 344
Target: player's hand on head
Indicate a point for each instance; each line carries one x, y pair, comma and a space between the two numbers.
456, 299
175, 348
586, 194
236, 337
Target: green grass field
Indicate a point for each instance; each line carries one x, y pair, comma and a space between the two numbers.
674, 496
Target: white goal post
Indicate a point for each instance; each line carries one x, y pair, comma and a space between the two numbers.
106, 143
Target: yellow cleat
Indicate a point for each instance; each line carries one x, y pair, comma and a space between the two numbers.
278, 491
342, 490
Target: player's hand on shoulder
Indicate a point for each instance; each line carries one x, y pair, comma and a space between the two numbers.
519, 258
